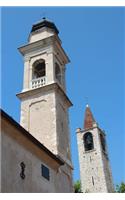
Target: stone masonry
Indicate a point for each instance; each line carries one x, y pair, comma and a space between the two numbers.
95, 171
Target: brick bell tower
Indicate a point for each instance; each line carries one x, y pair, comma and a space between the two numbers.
44, 102
95, 172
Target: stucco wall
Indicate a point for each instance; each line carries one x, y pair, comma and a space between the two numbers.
62, 124
16, 149
38, 116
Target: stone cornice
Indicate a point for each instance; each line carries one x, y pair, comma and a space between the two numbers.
46, 88
79, 130
52, 40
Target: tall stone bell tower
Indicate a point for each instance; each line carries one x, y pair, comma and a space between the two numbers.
95, 172
44, 103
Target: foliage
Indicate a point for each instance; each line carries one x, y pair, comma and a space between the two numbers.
120, 188
77, 187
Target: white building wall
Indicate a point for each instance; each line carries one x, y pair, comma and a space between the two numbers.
13, 153
17, 148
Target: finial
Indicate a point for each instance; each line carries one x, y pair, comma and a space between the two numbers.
86, 99
44, 15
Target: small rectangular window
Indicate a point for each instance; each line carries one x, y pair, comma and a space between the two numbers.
92, 180
45, 172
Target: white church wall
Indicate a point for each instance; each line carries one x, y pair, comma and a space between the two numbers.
17, 149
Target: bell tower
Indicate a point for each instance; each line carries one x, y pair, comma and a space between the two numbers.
44, 103
95, 172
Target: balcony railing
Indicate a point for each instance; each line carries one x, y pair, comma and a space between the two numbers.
38, 82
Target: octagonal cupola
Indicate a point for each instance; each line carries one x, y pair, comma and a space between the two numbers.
42, 29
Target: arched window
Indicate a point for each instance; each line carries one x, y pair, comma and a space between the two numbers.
39, 69
88, 141
103, 143
58, 72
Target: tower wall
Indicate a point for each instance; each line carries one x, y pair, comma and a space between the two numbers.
62, 125
44, 107
44, 113
108, 174
38, 116
94, 171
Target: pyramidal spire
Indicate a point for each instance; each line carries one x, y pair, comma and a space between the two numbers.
89, 119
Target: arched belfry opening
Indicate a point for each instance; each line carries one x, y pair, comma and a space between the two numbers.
58, 72
38, 73
39, 69
88, 141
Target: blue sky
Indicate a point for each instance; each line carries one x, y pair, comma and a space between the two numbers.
93, 38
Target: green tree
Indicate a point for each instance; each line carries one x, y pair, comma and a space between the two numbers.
120, 188
77, 187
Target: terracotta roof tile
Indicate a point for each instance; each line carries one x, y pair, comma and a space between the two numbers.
89, 119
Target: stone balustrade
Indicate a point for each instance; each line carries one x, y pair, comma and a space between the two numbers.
38, 82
